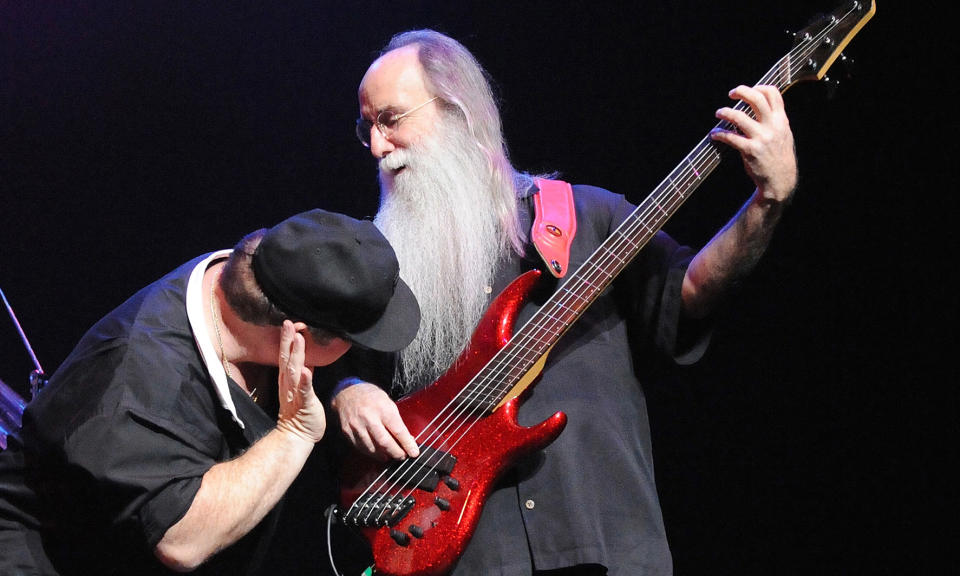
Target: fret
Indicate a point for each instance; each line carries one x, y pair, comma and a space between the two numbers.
616, 256
675, 187
565, 308
594, 289
580, 298
633, 245
650, 230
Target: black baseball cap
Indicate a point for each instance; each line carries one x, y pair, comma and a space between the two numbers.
338, 273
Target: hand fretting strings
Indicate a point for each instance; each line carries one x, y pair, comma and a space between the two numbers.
548, 324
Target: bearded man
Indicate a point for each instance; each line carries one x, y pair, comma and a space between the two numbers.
459, 217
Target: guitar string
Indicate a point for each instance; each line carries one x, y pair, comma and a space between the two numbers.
479, 409
562, 305
563, 308
741, 106
523, 343
673, 182
535, 337
551, 315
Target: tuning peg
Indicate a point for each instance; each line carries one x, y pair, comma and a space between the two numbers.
831, 86
847, 64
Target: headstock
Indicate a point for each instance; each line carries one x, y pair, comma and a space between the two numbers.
820, 44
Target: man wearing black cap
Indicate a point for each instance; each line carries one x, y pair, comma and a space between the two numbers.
170, 434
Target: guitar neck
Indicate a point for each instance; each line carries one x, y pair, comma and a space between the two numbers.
813, 52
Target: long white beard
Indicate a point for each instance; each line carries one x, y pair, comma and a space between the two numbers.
438, 213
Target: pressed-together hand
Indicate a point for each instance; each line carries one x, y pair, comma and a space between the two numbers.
301, 412
371, 422
237, 494
765, 142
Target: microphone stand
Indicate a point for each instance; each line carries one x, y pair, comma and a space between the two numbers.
12, 404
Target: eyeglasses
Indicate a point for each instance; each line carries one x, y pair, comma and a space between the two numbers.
386, 123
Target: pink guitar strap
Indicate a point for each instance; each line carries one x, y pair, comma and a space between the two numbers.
555, 224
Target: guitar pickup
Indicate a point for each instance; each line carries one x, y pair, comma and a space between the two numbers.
426, 470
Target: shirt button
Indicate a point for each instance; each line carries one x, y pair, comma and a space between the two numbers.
487, 289
529, 504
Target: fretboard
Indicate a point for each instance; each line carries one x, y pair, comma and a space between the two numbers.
528, 345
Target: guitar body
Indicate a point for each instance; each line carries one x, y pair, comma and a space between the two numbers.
483, 453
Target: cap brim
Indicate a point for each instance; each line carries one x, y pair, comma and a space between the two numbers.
396, 327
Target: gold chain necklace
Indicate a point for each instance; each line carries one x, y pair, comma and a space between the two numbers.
216, 328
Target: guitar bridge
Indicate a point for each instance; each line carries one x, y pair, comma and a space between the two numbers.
377, 510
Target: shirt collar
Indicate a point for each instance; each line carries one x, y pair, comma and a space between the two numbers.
527, 187
196, 313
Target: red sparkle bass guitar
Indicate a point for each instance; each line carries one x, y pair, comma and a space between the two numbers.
419, 514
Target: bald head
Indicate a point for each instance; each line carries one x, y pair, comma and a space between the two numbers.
395, 84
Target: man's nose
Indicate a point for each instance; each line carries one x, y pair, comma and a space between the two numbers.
380, 145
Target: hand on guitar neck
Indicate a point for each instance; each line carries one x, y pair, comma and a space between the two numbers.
759, 130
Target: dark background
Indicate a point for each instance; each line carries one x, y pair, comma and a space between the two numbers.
816, 435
